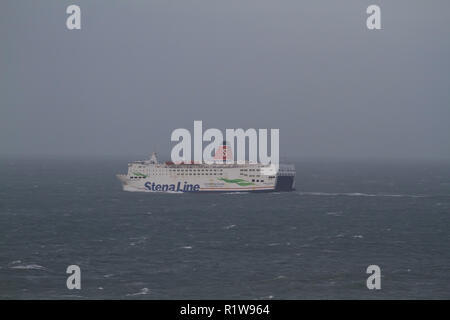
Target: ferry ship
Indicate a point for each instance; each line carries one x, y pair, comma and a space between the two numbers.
221, 176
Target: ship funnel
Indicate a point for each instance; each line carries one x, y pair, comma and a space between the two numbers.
223, 153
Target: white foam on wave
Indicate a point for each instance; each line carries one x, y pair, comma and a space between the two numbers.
29, 267
143, 291
359, 194
334, 213
137, 240
274, 244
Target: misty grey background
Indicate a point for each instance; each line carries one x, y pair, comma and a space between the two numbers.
139, 69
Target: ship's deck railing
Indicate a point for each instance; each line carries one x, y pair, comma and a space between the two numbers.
204, 165
282, 167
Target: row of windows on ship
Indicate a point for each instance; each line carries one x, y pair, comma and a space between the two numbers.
190, 169
186, 172
201, 174
212, 172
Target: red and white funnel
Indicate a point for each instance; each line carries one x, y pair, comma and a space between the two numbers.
224, 153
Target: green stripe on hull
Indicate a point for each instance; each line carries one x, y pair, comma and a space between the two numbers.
139, 174
240, 182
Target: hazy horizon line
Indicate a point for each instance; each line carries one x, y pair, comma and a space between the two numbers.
287, 158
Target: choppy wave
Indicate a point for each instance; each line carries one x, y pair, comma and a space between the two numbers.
29, 267
334, 213
359, 194
143, 291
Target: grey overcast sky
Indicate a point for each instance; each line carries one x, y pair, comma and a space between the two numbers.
139, 69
